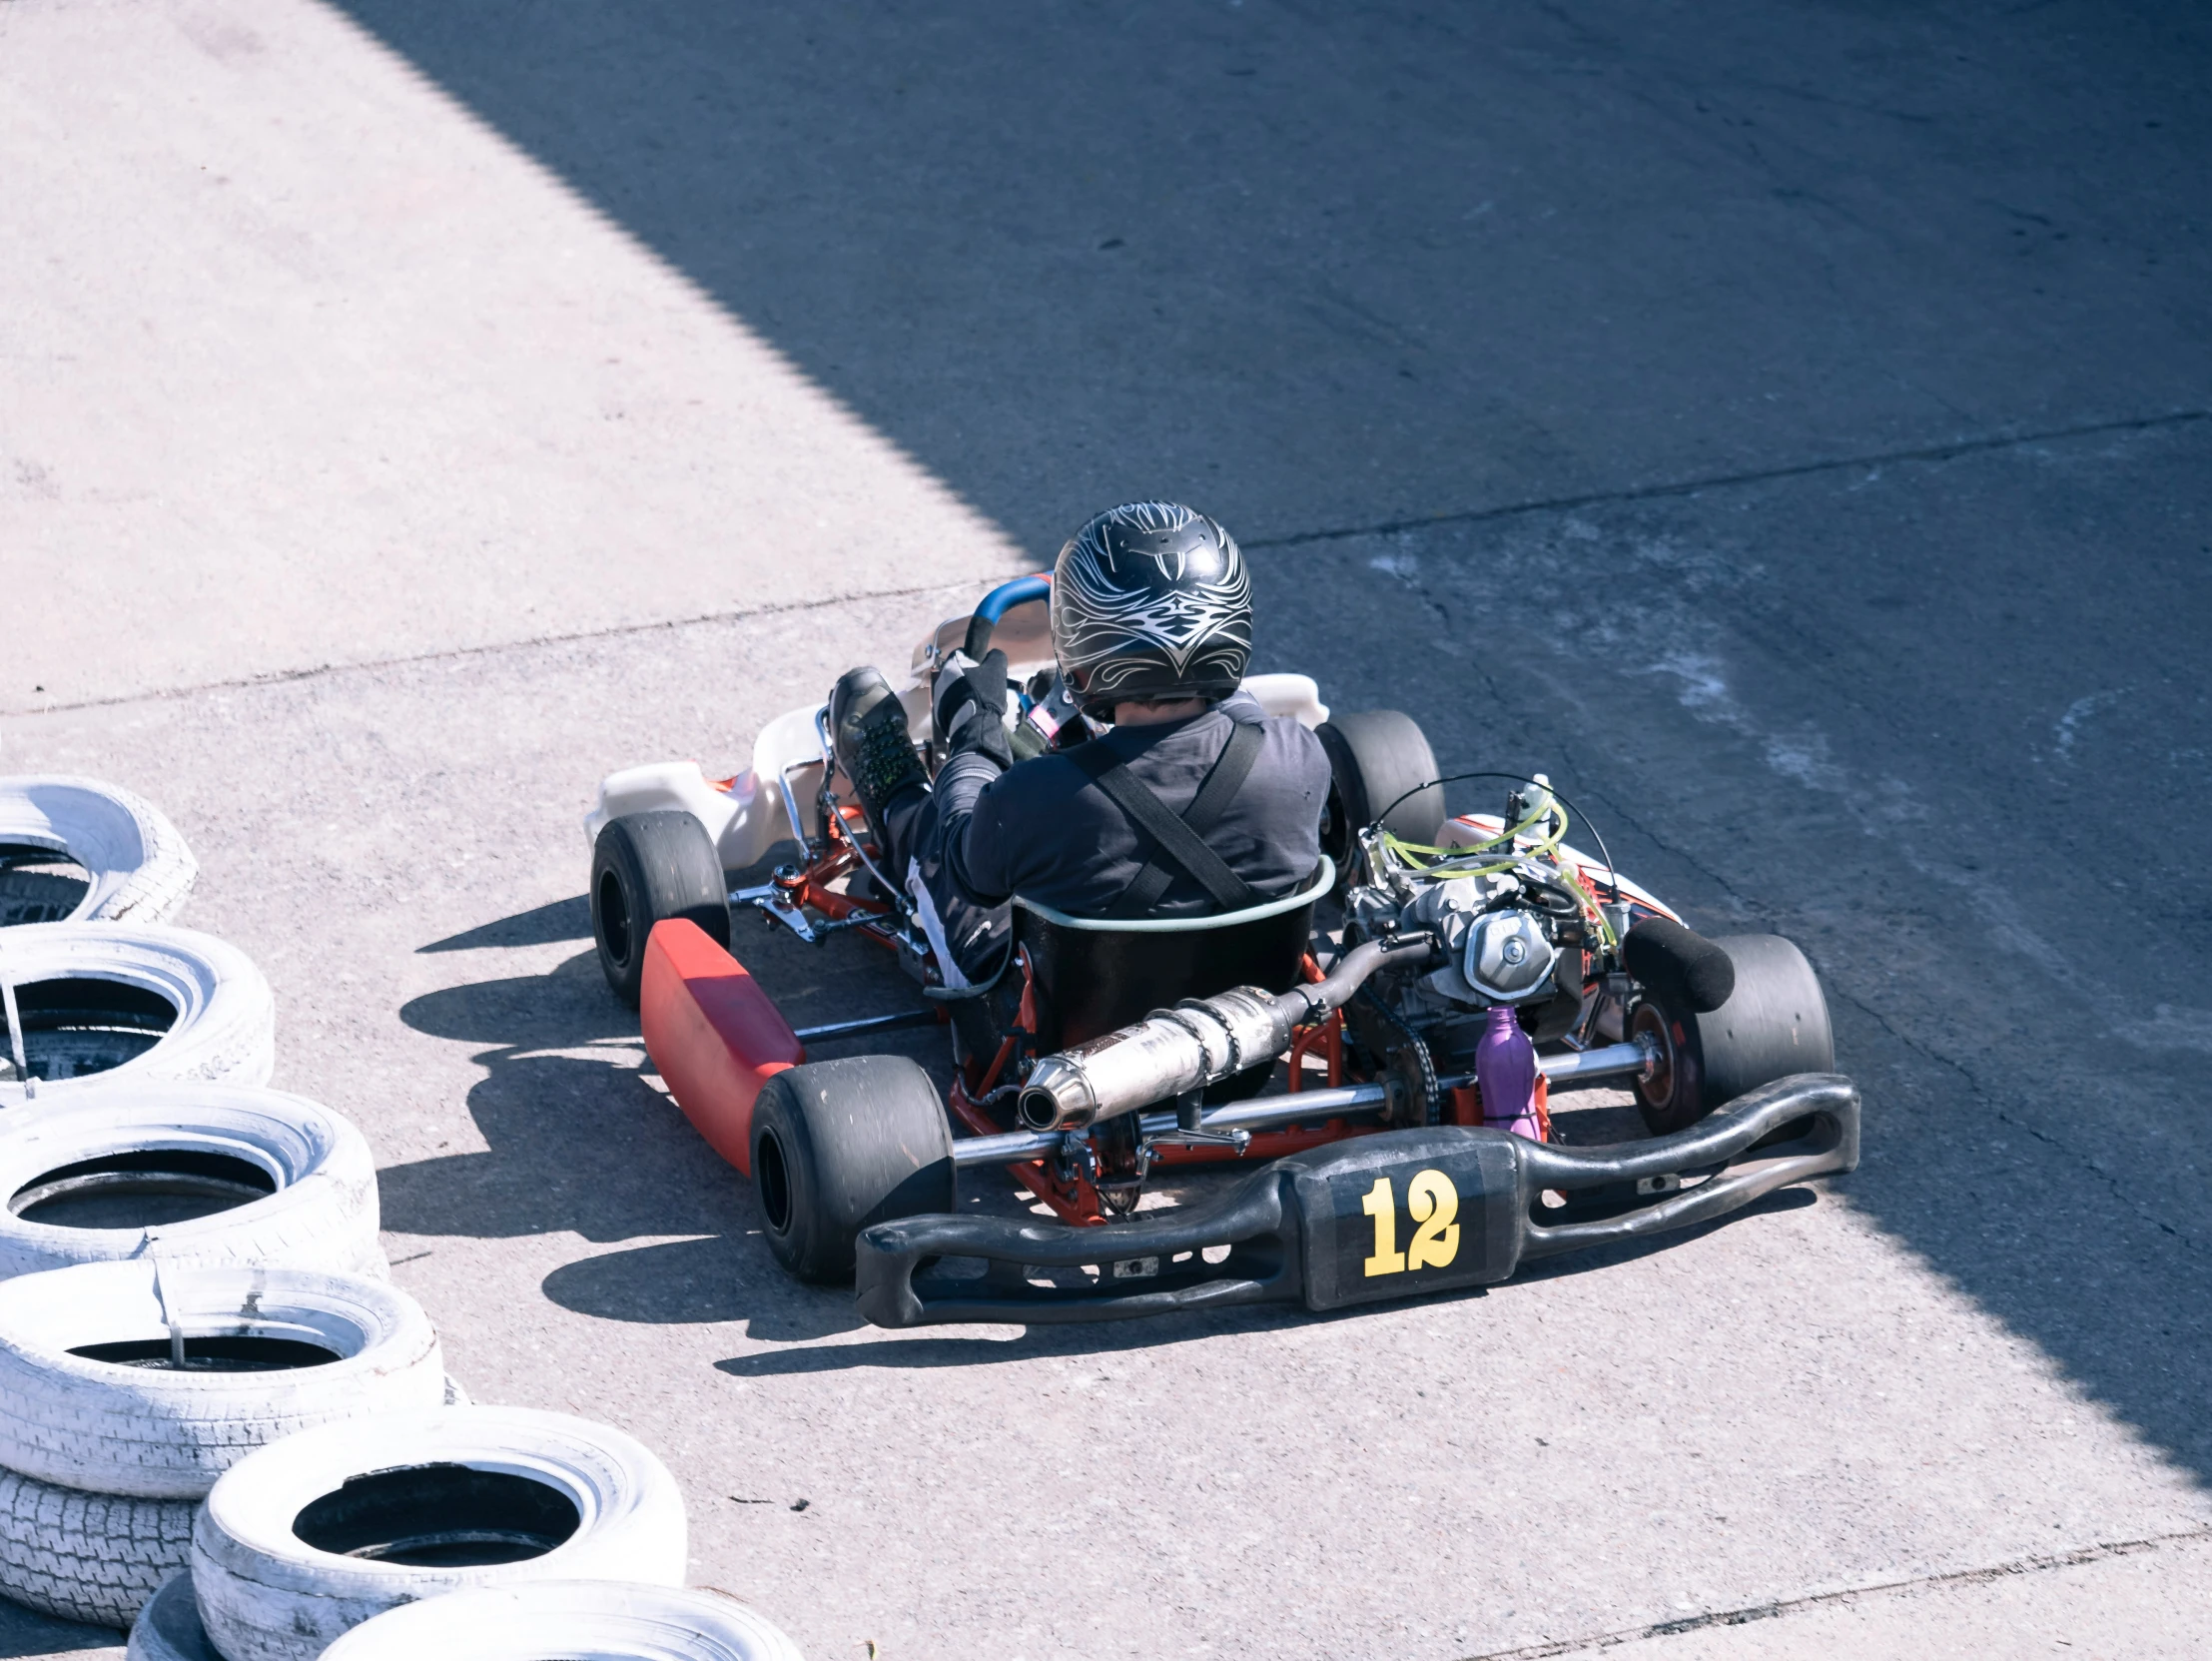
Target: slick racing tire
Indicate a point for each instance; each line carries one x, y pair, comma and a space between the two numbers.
88, 1397
168, 1628
135, 867
576, 1617
303, 1540
646, 868
95, 1558
840, 1146
1774, 1023
136, 1000
194, 1175
1375, 757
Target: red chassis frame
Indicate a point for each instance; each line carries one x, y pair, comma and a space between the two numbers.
718, 1038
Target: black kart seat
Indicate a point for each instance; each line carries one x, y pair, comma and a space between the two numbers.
1097, 974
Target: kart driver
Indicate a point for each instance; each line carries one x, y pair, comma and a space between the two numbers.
1179, 795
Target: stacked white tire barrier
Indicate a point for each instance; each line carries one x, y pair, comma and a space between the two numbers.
318, 1211
138, 868
240, 1394
87, 1557
577, 1617
224, 1028
266, 1594
107, 1461
168, 1628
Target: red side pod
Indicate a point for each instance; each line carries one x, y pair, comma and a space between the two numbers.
713, 1034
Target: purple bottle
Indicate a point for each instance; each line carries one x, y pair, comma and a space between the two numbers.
1505, 1073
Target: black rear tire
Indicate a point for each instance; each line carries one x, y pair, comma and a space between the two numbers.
646, 868
1774, 1023
840, 1146
1376, 756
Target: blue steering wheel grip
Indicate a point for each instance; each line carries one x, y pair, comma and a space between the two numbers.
997, 604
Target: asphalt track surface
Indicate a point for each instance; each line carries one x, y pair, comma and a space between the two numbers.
1790, 426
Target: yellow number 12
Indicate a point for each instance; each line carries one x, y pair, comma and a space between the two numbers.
1434, 1204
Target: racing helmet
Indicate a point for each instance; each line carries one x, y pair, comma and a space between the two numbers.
1151, 601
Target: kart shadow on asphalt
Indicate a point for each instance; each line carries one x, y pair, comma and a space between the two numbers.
945, 1349
579, 1139
582, 1141
545, 925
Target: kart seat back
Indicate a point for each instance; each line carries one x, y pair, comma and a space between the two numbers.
1097, 974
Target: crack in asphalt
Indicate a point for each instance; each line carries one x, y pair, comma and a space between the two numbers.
1474, 516
1756, 475
1989, 1103
2100, 1552
614, 631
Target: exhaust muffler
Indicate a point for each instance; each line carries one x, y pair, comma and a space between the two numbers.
1200, 1042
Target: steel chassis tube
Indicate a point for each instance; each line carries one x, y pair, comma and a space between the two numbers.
866, 1024
1295, 1107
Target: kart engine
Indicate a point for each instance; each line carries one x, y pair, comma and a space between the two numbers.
1517, 931
1527, 956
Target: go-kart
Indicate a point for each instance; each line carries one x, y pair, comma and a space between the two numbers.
1337, 1044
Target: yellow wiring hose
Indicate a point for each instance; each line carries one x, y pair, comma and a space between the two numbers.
1439, 862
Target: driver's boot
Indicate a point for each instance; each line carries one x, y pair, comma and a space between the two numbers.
869, 737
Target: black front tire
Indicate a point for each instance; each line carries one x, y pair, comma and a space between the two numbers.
841, 1145
1774, 1023
645, 869
1375, 757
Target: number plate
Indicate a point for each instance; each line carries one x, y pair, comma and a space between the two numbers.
1408, 1212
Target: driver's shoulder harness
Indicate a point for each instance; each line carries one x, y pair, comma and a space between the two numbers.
1178, 841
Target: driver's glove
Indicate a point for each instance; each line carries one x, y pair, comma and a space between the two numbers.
971, 707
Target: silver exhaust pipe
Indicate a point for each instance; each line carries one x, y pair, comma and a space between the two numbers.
1200, 1042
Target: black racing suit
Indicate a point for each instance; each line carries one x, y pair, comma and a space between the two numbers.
1043, 830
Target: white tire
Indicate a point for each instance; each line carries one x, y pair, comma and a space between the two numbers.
302, 1180
88, 1557
168, 1628
595, 1620
139, 867
302, 1541
336, 1346
166, 1004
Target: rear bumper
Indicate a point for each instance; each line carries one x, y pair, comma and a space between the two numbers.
1381, 1217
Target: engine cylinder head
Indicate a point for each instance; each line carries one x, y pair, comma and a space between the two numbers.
1508, 960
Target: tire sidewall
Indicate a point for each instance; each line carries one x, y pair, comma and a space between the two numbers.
157, 1434
168, 1627
864, 1140
781, 1128
323, 1215
139, 867
265, 1595
613, 856
1714, 1058
225, 1027
1374, 756
556, 1617
664, 865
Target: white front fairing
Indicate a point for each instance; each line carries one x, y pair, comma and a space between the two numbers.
743, 816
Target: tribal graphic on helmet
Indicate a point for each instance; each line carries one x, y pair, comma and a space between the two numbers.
1152, 600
